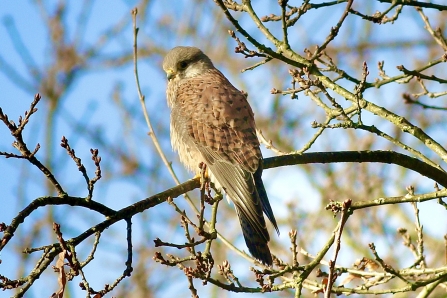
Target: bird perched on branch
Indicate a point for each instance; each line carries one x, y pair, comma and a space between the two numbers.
212, 122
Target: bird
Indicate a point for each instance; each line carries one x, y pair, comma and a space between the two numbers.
212, 123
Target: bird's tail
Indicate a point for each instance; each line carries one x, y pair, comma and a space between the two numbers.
262, 194
256, 242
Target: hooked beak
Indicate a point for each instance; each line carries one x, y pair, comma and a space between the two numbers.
170, 73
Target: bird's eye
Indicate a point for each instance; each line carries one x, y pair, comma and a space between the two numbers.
183, 64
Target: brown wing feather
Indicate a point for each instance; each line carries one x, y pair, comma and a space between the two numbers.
220, 118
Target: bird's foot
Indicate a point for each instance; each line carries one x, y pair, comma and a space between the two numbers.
203, 175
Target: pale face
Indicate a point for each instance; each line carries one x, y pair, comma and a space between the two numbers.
185, 62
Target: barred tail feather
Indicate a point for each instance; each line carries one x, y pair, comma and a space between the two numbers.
260, 189
256, 243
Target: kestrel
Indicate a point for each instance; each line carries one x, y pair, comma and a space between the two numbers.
212, 122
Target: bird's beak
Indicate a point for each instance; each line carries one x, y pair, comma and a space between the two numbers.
170, 73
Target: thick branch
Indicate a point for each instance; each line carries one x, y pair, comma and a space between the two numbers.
389, 157
417, 4
46, 201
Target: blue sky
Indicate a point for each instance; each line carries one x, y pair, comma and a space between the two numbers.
91, 99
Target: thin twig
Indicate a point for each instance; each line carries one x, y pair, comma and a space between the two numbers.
344, 217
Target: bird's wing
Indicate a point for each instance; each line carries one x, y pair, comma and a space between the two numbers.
220, 125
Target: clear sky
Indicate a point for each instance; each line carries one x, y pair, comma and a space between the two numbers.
92, 98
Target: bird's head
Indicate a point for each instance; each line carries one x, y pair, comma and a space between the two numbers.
185, 62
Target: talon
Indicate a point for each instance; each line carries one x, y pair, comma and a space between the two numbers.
203, 175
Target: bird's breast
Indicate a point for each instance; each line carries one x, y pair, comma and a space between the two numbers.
182, 143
